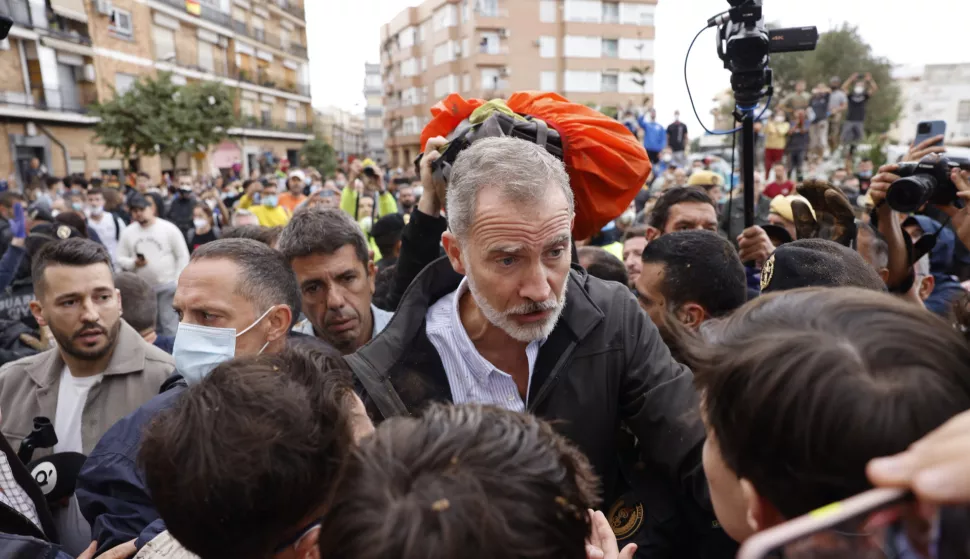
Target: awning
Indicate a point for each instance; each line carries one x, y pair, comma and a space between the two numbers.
71, 9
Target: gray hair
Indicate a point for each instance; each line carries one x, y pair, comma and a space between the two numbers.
139, 304
521, 170
322, 231
266, 280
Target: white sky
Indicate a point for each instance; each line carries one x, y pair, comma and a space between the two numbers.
344, 34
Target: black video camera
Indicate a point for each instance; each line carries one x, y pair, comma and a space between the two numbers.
744, 44
925, 182
42, 436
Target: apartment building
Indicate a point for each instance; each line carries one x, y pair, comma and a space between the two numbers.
933, 92
374, 133
64, 55
344, 131
585, 50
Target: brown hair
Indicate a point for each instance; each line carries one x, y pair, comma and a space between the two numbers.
245, 457
463, 482
802, 388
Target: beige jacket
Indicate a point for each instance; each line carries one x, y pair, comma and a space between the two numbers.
28, 389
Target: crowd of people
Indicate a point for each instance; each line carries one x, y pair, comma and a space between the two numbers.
380, 364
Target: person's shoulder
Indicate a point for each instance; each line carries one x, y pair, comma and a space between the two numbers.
14, 370
124, 436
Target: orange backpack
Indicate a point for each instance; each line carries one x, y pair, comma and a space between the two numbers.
607, 165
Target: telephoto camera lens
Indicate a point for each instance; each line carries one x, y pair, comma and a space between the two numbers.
909, 194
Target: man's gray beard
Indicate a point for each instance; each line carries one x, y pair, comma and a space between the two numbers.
516, 331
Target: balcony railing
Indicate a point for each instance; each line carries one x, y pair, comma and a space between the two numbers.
240, 27
17, 10
67, 100
277, 125
291, 8
207, 13
71, 35
298, 49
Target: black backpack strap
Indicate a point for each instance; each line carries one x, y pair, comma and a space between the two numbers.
378, 387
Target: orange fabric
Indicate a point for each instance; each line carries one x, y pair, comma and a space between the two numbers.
290, 201
607, 165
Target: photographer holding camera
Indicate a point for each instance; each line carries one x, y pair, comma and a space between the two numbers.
927, 181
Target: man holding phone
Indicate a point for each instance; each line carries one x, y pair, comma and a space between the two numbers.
859, 93
365, 178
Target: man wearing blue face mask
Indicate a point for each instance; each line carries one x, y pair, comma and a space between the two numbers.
236, 297
269, 212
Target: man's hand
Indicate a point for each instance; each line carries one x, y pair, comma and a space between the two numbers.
602, 542
123, 551
924, 148
936, 468
140, 261
754, 245
433, 197
39, 344
881, 182
961, 218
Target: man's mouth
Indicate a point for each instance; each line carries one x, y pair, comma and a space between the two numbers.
532, 317
89, 336
342, 325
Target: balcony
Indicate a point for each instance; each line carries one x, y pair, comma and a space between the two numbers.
70, 35
17, 10
491, 17
298, 50
277, 125
206, 13
291, 8
67, 100
240, 27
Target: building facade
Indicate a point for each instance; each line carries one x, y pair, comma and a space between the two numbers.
374, 134
586, 50
344, 131
934, 92
64, 55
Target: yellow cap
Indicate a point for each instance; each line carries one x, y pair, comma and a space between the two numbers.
704, 178
781, 205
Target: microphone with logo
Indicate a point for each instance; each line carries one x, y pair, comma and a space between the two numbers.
56, 475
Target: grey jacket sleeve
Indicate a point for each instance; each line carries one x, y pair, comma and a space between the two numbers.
659, 403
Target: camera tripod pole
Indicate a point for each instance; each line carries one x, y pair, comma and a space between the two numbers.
747, 163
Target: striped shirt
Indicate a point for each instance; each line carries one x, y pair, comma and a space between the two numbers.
471, 377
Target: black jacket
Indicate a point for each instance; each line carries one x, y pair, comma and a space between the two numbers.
180, 213
602, 365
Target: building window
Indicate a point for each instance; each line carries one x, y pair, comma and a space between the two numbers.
284, 38
578, 46
489, 44
123, 82
611, 48
407, 38
636, 14
963, 111
246, 107
206, 59
610, 83
547, 47
578, 81
487, 8
611, 12
466, 82
445, 16
291, 117
121, 23
490, 79
583, 11
547, 11
547, 81
164, 41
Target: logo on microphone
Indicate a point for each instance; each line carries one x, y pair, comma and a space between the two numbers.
45, 474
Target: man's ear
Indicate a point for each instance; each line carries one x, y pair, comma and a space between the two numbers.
691, 315
760, 514
926, 286
652, 233
307, 547
37, 310
372, 275
884, 274
279, 320
453, 251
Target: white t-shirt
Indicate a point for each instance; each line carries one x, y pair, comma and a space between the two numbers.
108, 230
163, 247
72, 394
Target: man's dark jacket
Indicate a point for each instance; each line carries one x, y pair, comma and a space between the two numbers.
111, 490
603, 364
180, 213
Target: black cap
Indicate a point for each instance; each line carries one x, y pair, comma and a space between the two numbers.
38, 212
388, 225
137, 201
817, 263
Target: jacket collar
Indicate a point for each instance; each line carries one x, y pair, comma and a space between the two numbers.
128, 357
579, 317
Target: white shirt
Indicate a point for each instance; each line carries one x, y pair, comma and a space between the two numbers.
72, 394
163, 247
471, 377
107, 230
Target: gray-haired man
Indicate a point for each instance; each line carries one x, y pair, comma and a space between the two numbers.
506, 320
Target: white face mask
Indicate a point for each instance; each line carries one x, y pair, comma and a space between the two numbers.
859, 90
668, 158
96, 210
200, 223
199, 349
